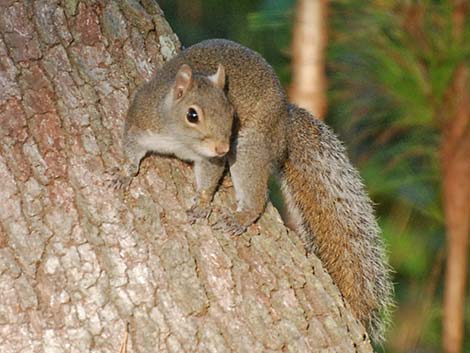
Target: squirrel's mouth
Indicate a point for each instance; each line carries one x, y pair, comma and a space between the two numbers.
213, 149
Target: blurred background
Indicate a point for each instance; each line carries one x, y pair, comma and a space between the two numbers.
393, 80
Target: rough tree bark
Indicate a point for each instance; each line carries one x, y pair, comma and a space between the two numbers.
81, 264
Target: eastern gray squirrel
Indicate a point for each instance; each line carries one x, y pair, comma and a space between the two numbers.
218, 102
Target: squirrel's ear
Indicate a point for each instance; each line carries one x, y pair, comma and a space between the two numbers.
218, 79
183, 80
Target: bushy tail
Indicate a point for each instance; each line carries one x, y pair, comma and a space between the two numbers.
334, 216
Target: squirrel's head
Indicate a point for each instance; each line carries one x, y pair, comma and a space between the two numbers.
201, 113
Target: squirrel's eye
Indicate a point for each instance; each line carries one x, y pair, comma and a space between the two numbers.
192, 116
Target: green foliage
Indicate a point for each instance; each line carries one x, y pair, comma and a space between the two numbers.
390, 65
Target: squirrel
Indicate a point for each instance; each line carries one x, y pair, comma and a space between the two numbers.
219, 103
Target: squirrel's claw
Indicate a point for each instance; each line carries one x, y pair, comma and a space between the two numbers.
198, 211
115, 180
228, 223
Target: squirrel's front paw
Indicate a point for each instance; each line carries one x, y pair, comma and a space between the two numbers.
197, 211
228, 223
116, 180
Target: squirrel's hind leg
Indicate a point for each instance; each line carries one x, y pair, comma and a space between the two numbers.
250, 169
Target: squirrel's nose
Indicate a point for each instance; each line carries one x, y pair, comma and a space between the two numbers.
222, 148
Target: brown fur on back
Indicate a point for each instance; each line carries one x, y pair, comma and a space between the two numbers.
256, 93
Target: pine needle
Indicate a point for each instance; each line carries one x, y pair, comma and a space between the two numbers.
124, 340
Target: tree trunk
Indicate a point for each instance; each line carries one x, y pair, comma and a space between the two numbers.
455, 161
455, 152
308, 88
82, 265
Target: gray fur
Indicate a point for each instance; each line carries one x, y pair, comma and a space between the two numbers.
325, 194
